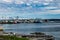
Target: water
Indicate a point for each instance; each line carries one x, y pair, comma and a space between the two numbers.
26, 28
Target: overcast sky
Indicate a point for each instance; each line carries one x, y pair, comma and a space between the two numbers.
30, 8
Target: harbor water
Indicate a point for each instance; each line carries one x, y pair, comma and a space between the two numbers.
26, 28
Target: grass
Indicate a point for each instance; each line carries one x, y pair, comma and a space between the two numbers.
11, 38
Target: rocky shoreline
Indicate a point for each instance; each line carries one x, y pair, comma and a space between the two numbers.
31, 36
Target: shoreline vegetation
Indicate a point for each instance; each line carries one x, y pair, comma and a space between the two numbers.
8, 37
16, 21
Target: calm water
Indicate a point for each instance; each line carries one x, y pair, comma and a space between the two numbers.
26, 28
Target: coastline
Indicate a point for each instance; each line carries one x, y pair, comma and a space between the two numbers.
31, 36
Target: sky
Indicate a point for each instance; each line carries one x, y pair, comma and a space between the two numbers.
44, 9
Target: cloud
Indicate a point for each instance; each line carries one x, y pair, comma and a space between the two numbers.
48, 0
50, 12
46, 3
27, 1
50, 8
8, 1
54, 11
19, 2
